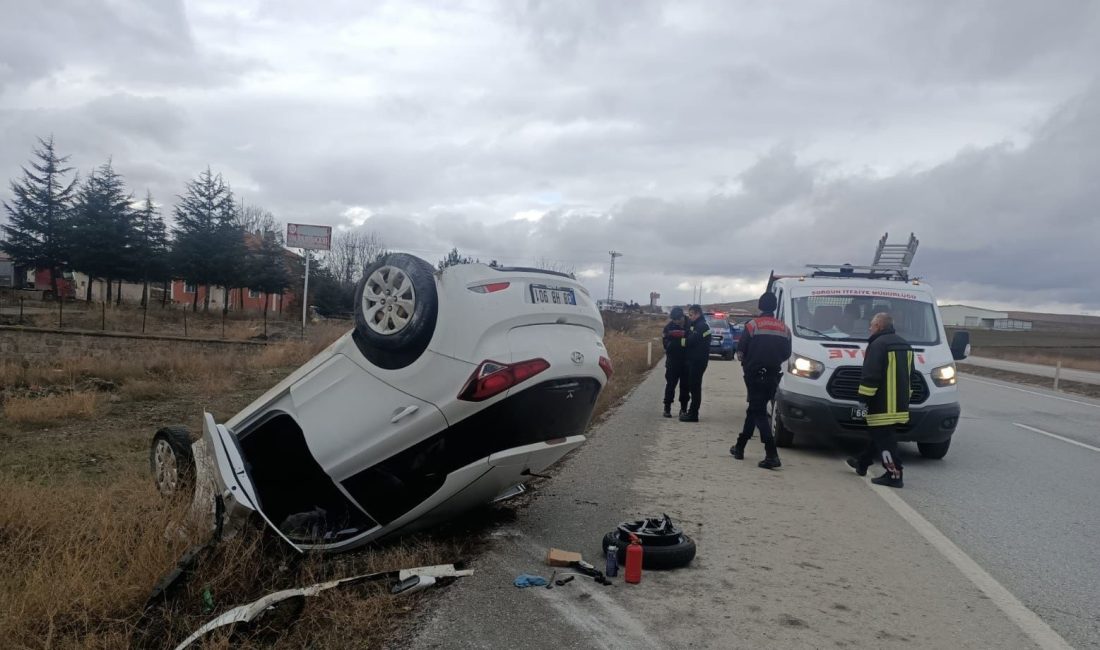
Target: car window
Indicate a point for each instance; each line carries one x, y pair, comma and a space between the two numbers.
847, 318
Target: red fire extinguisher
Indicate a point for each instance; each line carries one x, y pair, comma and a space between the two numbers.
634, 560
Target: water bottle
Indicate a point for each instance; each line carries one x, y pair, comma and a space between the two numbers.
612, 561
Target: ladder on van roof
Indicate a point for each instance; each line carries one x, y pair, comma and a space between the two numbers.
895, 256
891, 263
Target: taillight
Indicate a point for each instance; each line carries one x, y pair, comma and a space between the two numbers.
490, 287
492, 378
605, 364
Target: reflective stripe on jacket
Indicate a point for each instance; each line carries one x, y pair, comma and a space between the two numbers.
885, 382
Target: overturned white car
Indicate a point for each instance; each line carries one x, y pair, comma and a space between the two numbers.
451, 390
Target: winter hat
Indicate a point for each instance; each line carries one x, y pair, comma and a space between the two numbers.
767, 303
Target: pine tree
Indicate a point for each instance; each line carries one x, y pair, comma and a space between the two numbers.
454, 258
151, 246
38, 217
204, 217
103, 229
267, 270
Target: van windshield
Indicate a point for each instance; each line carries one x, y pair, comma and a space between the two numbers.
846, 318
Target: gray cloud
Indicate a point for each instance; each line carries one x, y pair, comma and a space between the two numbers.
710, 141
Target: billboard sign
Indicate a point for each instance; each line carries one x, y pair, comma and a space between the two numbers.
314, 238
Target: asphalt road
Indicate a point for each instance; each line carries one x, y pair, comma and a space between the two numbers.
811, 555
1069, 374
1024, 505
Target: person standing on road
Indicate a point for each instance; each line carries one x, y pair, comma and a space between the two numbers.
697, 350
885, 389
764, 346
675, 361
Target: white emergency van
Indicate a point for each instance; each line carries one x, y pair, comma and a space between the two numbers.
828, 310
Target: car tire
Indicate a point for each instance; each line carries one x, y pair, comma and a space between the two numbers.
728, 356
784, 437
671, 556
396, 306
934, 450
171, 461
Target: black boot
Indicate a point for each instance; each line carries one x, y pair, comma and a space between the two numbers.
889, 480
668, 411
858, 465
738, 451
689, 417
770, 462
683, 410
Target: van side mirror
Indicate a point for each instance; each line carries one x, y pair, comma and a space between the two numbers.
960, 345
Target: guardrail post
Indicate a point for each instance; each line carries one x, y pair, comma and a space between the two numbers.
1057, 373
649, 353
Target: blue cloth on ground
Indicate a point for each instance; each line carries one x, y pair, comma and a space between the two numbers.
527, 580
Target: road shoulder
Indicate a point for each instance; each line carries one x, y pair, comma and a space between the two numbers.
808, 556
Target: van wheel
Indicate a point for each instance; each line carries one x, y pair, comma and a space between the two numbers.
396, 305
171, 461
934, 450
784, 437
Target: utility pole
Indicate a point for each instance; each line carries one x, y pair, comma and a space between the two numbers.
611, 276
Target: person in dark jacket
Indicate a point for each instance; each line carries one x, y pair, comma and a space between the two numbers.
885, 388
675, 361
696, 345
764, 346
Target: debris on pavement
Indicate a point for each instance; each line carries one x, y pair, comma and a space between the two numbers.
664, 544
525, 580
279, 610
559, 558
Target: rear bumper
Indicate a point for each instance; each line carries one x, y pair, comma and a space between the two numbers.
804, 415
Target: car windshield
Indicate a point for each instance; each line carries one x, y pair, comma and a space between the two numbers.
846, 318
718, 323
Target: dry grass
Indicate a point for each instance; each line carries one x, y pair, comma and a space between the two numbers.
1077, 358
141, 390
52, 409
81, 554
628, 357
80, 560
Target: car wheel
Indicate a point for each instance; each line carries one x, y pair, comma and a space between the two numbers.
670, 556
784, 437
171, 461
934, 450
396, 305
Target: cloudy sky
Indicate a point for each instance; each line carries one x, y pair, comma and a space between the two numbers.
707, 141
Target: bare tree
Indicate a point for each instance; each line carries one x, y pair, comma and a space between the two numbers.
256, 219
351, 251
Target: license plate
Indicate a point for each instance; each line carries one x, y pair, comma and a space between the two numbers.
542, 294
859, 413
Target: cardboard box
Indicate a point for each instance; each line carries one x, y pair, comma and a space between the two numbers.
560, 558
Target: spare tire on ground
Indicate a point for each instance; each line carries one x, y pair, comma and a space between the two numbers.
664, 544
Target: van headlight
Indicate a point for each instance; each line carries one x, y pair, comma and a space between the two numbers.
801, 366
944, 375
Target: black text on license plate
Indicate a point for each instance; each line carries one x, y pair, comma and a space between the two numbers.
552, 295
859, 413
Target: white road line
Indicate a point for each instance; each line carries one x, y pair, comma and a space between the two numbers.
1056, 436
1032, 392
1028, 621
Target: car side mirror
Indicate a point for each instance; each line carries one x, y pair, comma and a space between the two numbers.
960, 345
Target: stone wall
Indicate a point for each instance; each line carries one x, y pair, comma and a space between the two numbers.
38, 344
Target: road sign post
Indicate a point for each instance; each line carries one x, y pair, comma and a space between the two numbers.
308, 238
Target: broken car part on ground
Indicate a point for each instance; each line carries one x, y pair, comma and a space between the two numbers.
453, 388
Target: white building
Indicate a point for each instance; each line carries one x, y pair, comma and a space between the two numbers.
978, 318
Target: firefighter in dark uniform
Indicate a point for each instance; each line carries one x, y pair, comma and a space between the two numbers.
764, 346
696, 345
884, 387
675, 361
